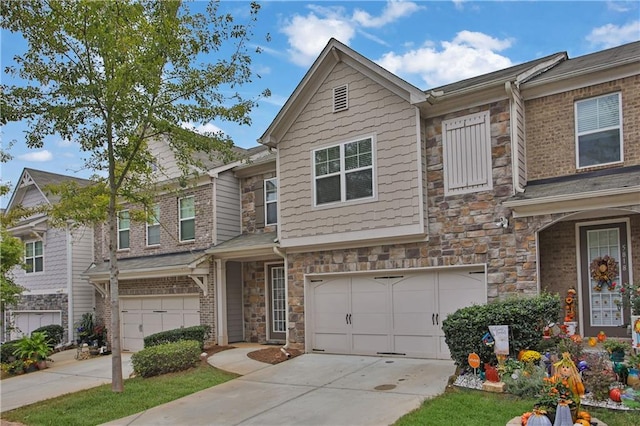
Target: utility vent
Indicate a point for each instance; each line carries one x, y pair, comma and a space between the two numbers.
340, 98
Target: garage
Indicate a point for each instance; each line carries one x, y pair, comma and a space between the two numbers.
143, 316
389, 314
27, 321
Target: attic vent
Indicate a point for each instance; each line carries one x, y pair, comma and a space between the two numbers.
340, 99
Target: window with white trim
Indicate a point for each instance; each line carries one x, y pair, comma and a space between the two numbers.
466, 152
344, 172
124, 224
153, 226
33, 256
187, 218
598, 130
271, 201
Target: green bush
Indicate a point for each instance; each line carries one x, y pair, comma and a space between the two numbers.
166, 358
55, 333
198, 333
6, 351
526, 318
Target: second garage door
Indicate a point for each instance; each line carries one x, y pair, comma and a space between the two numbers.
143, 316
397, 315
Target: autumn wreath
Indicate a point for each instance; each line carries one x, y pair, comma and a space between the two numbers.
603, 271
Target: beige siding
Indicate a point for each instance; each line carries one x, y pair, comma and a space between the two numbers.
82, 256
518, 123
373, 110
53, 278
227, 211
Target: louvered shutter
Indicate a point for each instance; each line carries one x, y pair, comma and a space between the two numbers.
340, 98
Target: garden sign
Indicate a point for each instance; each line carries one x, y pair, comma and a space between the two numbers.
500, 334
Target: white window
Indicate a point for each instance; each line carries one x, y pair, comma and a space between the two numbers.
466, 151
271, 201
34, 256
598, 131
124, 224
187, 212
344, 172
153, 226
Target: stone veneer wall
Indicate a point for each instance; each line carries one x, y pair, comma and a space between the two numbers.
255, 317
46, 302
249, 186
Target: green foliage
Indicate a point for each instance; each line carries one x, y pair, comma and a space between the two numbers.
599, 376
12, 250
7, 349
35, 347
198, 333
525, 382
166, 358
566, 344
54, 332
526, 318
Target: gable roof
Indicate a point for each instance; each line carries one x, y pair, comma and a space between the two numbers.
40, 179
334, 53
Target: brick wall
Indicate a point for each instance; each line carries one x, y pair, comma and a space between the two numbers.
550, 128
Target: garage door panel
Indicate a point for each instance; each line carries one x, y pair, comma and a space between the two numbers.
331, 342
416, 346
130, 304
413, 323
152, 304
369, 322
191, 320
370, 343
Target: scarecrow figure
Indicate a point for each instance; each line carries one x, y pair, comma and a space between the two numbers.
565, 369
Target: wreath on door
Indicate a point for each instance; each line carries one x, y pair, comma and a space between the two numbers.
604, 270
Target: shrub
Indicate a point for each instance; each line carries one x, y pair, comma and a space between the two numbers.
166, 358
55, 333
527, 382
35, 347
198, 333
526, 318
599, 376
7, 349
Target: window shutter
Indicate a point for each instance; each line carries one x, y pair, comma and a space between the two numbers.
340, 98
258, 202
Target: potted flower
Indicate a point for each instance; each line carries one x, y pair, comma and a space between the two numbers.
35, 348
616, 349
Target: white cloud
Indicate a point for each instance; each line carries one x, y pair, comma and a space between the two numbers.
201, 128
63, 143
393, 11
308, 35
37, 156
617, 6
469, 54
459, 4
611, 35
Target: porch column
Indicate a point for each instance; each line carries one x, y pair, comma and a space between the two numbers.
221, 302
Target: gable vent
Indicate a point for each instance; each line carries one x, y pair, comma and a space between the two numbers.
340, 98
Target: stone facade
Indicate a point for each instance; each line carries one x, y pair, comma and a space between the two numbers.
252, 189
46, 302
255, 308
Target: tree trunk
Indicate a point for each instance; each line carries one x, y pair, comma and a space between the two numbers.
117, 383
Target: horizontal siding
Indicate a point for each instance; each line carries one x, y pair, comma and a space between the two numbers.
373, 110
227, 207
83, 293
33, 197
53, 278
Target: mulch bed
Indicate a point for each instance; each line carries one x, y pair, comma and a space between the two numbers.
269, 355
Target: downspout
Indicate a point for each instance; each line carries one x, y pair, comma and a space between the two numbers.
514, 137
69, 283
280, 253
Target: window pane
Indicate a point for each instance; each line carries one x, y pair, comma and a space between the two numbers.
599, 148
351, 149
272, 213
187, 230
153, 236
359, 184
187, 209
321, 156
38, 248
334, 166
587, 115
333, 153
28, 248
608, 111
328, 190
28, 263
123, 239
39, 264
321, 169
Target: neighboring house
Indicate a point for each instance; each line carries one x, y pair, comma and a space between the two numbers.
399, 206
55, 259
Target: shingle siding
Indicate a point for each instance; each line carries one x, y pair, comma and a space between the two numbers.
227, 210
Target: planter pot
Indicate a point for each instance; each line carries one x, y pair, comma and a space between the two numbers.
634, 377
42, 365
617, 356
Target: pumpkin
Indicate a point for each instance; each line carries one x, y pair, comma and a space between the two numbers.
525, 417
615, 395
582, 422
563, 415
538, 418
584, 415
602, 337
576, 338
593, 341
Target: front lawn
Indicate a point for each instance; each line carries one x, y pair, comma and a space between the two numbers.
99, 405
458, 406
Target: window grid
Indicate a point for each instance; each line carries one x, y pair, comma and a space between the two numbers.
34, 257
187, 219
271, 201
278, 300
124, 224
153, 226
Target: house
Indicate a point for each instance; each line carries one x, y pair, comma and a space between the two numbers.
55, 258
398, 206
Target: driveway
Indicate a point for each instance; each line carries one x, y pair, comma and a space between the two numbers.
311, 389
65, 375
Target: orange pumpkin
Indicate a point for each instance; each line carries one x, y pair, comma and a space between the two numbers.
524, 418
615, 395
576, 338
584, 415
593, 341
602, 337
582, 422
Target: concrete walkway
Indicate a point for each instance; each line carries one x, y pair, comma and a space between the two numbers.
311, 389
64, 375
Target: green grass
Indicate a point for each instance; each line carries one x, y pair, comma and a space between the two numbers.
466, 407
99, 405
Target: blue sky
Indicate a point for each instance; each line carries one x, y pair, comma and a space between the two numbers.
428, 43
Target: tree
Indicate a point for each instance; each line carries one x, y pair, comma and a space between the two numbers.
11, 252
115, 75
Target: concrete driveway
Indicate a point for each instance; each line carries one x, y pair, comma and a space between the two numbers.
311, 389
65, 375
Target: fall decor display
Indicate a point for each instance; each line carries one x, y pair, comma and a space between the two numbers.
538, 418
570, 306
563, 415
602, 336
604, 270
615, 394
566, 369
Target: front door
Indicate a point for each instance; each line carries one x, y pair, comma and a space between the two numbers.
601, 301
277, 303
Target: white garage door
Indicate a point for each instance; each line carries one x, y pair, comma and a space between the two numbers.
27, 321
143, 316
389, 315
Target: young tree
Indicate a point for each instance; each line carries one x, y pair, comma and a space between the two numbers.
11, 252
114, 75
